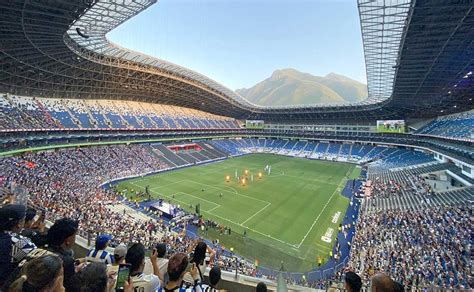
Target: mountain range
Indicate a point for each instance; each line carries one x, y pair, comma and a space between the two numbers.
290, 87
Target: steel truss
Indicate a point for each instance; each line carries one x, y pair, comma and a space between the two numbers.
58, 48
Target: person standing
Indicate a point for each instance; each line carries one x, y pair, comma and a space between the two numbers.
61, 239
13, 247
141, 281
99, 254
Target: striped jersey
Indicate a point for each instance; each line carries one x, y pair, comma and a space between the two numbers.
100, 256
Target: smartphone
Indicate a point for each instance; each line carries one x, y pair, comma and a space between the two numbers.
122, 276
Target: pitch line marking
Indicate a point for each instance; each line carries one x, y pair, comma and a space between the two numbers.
165, 185
198, 198
241, 224
185, 203
212, 209
159, 186
251, 229
255, 214
317, 218
221, 189
330, 199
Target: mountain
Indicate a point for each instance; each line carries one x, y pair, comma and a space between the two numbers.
290, 87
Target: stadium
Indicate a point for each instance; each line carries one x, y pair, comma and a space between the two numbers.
141, 152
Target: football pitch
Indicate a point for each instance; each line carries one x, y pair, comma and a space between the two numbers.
281, 216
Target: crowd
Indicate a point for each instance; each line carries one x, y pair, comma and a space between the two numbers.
53, 267
17, 115
428, 247
418, 248
21, 112
66, 183
384, 187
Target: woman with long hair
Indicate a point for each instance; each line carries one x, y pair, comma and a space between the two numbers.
42, 274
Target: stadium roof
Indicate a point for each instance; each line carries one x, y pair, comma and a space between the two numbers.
418, 56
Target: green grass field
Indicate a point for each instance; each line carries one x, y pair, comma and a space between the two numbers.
285, 214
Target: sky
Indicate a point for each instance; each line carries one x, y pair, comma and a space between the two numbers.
239, 43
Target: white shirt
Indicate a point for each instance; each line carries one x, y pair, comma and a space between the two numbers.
163, 266
146, 283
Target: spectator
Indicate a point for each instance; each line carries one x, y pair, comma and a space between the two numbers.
352, 282
382, 283
99, 254
95, 278
136, 258
61, 238
417, 247
44, 273
119, 258
13, 247
201, 256
177, 265
261, 287
214, 278
35, 230
162, 261
398, 287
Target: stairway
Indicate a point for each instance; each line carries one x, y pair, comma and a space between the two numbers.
92, 120
73, 118
171, 156
48, 116
217, 153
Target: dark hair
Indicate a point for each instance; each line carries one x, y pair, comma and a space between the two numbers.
199, 253
39, 273
61, 229
177, 265
30, 214
214, 276
93, 277
161, 249
135, 256
353, 281
261, 287
398, 287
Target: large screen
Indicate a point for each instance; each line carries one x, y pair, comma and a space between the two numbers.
391, 126
254, 124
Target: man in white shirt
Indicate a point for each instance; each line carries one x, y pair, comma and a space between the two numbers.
136, 258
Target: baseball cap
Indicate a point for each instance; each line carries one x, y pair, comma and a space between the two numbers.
10, 215
120, 250
103, 239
